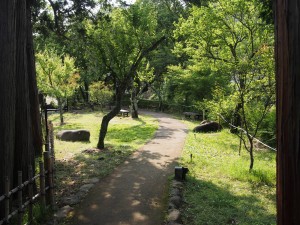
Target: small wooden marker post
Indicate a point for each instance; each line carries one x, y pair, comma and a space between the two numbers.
6, 201
30, 193
20, 199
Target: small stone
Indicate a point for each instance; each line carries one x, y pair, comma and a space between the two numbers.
176, 201
91, 181
174, 223
174, 215
177, 184
175, 192
86, 187
71, 200
63, 212
171, 206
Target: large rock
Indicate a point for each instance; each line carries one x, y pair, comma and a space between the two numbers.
73, 135
208, 127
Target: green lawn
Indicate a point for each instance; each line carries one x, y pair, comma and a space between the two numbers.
220, 189
74, 164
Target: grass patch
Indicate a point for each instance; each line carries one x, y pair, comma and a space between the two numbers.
220, 189
78, 161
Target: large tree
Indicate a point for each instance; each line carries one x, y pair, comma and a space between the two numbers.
20, 133
119, 44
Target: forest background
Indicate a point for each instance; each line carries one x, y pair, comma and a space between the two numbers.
212, 55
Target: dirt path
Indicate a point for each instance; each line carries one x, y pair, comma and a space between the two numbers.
136, 191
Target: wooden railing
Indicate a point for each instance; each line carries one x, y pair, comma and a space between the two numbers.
45, 193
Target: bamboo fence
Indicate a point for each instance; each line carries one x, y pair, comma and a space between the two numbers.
45, 194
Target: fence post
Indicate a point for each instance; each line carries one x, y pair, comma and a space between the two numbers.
51, 138
6, 190
46, 170
42, 186
51, 183
30, 193
49, 179
20, 198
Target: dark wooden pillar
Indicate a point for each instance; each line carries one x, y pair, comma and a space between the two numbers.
288, 111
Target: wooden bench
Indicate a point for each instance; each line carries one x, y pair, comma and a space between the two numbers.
124, 112
192, 115
65, 109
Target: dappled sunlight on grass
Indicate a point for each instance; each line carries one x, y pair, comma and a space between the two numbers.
78, 161
220, 188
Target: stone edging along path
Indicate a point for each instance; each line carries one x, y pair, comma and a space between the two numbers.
136, 192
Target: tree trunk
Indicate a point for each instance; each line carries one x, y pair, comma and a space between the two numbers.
160, 106
7, 90
251, 153
134, 104
33, 92
18, 96
288, 111
108, 117
237, 120
60, 107
24, 152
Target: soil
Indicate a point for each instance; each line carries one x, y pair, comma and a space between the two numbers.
136, 192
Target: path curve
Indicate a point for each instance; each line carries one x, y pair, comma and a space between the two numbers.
135, 193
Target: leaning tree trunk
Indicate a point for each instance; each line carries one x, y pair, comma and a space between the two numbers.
105, 121
288, 111
7, 90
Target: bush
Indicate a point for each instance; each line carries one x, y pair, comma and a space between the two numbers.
100, 94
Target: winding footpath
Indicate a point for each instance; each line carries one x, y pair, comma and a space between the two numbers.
136, 192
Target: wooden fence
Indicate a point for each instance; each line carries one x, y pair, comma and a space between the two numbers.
45, 194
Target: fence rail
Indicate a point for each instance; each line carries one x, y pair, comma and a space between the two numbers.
45, 195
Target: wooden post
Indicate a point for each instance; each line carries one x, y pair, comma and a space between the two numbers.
49, 179
42, 186
51, 138
46, 166
287, 54
20, 199
30, 195
203, 114
51, 182
6, 203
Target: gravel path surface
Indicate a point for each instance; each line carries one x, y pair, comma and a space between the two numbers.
135, 193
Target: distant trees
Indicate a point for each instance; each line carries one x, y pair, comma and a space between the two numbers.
100, 94
229, 37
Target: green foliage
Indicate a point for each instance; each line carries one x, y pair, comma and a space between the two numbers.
219, 187
117, 42
230, 38
100, 94
56, 74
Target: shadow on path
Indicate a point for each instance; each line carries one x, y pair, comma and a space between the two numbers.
135, 192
